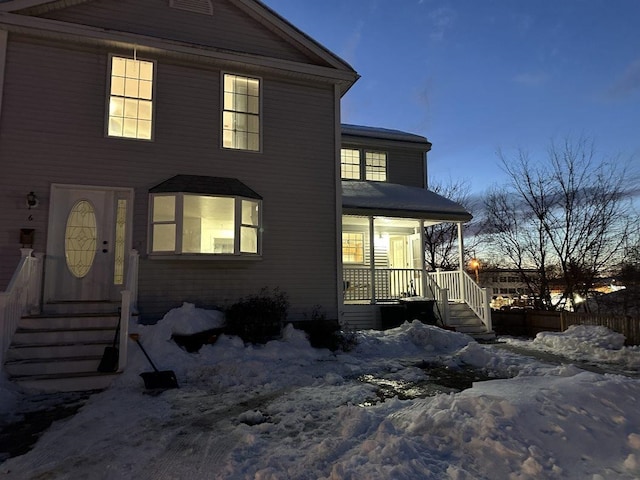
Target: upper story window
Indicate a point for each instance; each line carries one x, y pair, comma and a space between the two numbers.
189, 222
241, 113
130, 98
367, 165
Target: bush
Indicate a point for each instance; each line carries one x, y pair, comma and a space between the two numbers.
258, 318
323, 333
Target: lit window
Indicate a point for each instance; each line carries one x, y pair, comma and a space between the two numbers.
376, 166
350, 164
183, 223
352, 247
131, 98
241, 113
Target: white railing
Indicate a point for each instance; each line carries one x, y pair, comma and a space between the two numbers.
467, 291
128, 306
388, 284
441, 296
21, 297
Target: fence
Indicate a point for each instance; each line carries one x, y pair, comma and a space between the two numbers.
528, 323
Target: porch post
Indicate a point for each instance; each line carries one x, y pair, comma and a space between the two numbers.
423, 269
463, 294
372, 260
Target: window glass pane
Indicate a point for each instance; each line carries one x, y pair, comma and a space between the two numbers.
208, 224
350, 163
249, 240
227, 139
145, 89
250, 213
119, 244
164, 238
132, 68
253, 142
144, 129
130, 108
164, 208
144, 110
118, 66
253, 87
130, 127
116, 106
117, 86
253, 124
131, 87
352, 247
146, 71
253, 105
115, 126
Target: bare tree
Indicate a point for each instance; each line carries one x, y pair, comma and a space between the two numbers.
441, 240
569, 212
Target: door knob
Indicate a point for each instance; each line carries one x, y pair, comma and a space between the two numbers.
104, 250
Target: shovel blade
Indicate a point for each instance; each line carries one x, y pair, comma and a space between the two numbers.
109, 361
160, 380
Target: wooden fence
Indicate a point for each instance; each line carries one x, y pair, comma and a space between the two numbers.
528, 323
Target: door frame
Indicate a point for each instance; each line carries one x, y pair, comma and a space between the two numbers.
118, 193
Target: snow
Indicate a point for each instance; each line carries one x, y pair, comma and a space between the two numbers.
285, 410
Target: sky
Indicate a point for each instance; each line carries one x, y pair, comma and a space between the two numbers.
285, 410
478, 76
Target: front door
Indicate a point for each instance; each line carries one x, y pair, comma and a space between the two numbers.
87, 242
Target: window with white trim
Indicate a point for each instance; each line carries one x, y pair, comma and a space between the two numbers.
241, 113
353, 247
130, 98
185, 223
350, 163
358, 164
375, 166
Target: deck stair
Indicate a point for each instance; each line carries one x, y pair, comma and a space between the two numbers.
60, 350
464, 320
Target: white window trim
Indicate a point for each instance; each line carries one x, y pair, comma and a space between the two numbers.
178, 221
222, 110
108, 98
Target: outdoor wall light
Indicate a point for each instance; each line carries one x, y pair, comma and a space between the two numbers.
32, 200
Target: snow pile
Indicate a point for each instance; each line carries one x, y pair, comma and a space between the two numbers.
285, 410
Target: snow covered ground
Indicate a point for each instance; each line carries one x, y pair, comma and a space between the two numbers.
288, 411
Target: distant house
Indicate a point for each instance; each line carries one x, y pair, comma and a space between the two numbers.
160, 151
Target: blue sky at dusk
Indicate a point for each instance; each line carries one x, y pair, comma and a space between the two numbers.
475, 76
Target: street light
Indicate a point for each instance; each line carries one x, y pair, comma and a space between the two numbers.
474, 264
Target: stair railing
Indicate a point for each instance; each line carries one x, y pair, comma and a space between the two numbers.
478, 299
129, 306
22, 296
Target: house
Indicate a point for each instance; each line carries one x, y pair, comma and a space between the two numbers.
160, 151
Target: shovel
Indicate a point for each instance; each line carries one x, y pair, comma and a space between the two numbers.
110, 356
157, 379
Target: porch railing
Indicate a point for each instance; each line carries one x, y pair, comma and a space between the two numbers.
390, 284
21, 297
128, 307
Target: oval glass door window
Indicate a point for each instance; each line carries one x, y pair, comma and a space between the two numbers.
80, 238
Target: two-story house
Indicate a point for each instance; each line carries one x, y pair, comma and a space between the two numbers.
160, 151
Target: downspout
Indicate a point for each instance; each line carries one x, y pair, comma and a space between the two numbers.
463, 294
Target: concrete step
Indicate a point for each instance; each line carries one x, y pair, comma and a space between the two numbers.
70, 308
68, 336
67, 322
27, 352
49, 366
78, 382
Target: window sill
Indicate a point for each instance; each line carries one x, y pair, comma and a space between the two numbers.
206, 257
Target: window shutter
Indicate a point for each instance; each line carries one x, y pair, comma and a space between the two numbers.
204, 7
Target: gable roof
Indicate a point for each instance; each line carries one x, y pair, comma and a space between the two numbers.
393, 200
22, 15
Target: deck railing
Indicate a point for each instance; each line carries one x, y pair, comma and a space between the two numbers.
391, 284
21, 297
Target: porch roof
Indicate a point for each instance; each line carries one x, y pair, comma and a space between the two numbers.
393, 200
